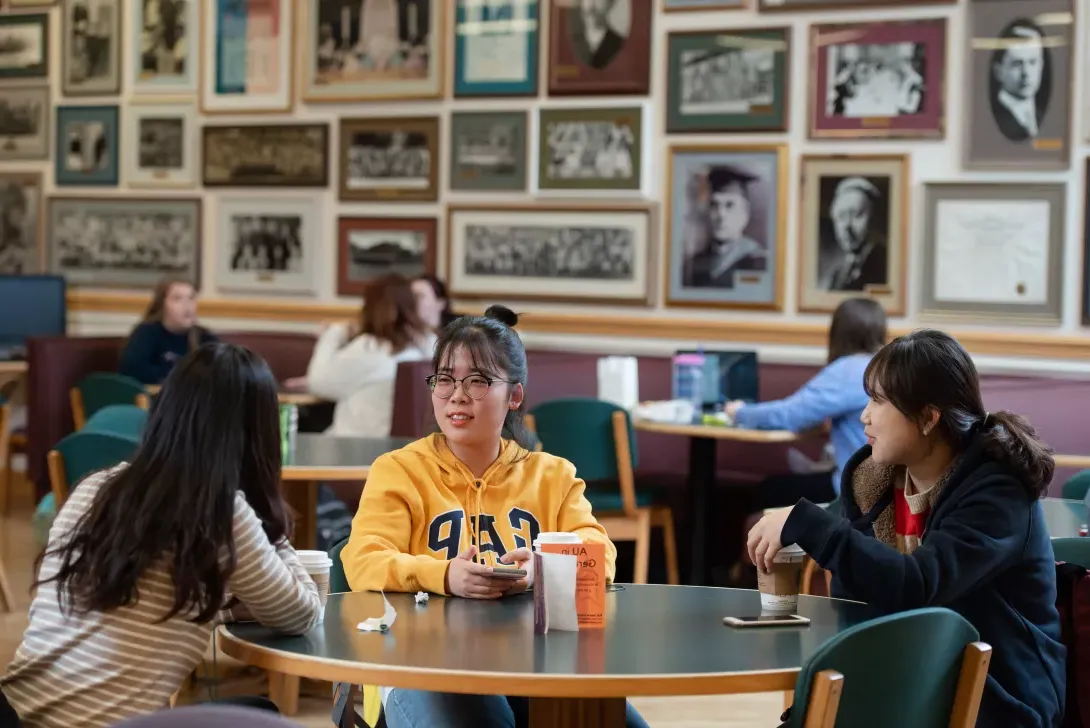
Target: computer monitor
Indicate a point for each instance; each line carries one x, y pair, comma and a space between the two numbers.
728, 376
33, 305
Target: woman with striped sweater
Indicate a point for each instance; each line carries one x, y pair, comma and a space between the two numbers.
144, 559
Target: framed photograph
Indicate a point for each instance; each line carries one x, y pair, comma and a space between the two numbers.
24, 47
488, 151
266, 155
1020, 83
246, 53
370, 247
268, 244
670, 6
797, 6
590, 149
390, 159
165, 38
496, 48
17, 4
21, 198
355, 51
129, 243
727, 207
727, 80
601, 47
87, 146
881, 79
994, 252
574, 254
161, 145
24, 124
853, 231
91, 47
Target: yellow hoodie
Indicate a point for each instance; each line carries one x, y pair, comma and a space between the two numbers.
422, 507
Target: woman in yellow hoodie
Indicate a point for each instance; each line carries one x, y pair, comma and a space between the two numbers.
439, 514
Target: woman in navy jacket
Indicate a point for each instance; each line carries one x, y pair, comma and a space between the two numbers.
941, 509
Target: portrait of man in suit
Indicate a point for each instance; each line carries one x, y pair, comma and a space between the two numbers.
1020, 83
726, 215
854, 236
595, 39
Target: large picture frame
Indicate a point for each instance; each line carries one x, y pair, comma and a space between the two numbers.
164, 47
994, 252
91, 48
246, 57
369, 247
616, 62
21, 220
484, 263
590, 149
265, 155
25, 124
87, 146
94, 241
161, 148
268, 244
849, 99
404, 59
496, 48
726, 212
30, 32
389, 159
1020, 82
730, 80
853, 231
489, 151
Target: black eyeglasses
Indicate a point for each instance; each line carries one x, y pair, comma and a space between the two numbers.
475, 386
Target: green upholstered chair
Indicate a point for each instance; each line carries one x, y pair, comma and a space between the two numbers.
118, 419
102, 389
1073, 550
598, 438
1077, 486
338, 582
919, 669
82, 453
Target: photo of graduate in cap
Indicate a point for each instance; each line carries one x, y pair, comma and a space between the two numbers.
854, 235
727, 248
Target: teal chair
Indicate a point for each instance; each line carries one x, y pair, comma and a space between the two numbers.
118, 419
338, 582
82, 453
102, 389
1073, 550
598, 438
919, 669
1077, 486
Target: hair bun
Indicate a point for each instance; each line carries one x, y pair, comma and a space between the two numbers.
502, 314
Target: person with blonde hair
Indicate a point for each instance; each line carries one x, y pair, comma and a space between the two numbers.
167, 332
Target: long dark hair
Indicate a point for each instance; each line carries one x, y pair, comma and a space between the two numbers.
858, 327
928, 368
213, 432
493, 347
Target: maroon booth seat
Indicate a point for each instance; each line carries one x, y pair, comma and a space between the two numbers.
56, 363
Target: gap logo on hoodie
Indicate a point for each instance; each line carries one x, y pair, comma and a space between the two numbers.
445, 531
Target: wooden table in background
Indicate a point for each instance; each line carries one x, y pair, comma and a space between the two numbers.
702, 474
658, 640
300, 399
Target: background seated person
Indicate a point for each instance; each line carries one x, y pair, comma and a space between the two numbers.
167, 333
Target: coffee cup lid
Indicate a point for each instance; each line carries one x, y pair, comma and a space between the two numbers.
557, 537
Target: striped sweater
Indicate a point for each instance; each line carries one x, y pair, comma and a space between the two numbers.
97, 669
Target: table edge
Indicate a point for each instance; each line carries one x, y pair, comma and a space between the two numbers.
325, 472
714, 432
499, 683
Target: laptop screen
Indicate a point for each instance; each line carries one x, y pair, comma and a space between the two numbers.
31, 306
729, 375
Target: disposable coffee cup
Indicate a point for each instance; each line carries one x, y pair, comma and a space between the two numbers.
555, 537
317, 564
780, 587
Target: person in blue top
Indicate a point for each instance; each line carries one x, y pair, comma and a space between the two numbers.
835, 395
166, 334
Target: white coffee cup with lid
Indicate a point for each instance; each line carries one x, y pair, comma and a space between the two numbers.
317, 564
555, 537
780, 588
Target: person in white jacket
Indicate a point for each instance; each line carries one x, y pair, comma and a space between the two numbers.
355, 366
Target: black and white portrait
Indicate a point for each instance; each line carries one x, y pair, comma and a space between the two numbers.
20, 206
488, 150
598, 30
1021, 80
853, 233
164, 39
594, 148
373, 253
266, 243
397, 160
876, 80
24, 123
162, 143
86, 146
266, 155
91, 47
602, 252
727, 80
724, 244
124, 243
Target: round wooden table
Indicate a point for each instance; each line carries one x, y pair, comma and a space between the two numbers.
658, 640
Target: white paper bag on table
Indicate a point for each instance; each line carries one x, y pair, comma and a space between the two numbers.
619, 381
554, 593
